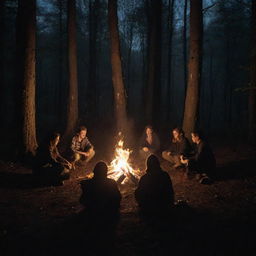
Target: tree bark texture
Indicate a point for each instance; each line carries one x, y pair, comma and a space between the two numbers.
117, 75
194, 67
27, 40
252, 91
153, 95
72, 109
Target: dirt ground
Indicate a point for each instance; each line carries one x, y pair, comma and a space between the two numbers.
216, 219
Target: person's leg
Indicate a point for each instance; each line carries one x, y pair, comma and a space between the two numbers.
176, 160
168, 157
91, 155
143, 154
190, 169
75, 158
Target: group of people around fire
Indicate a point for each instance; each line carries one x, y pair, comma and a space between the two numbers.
154, 191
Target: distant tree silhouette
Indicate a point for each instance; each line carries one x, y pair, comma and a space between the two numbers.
252, 91
26, 39
153, 91
72, 110
194, 67
117, 75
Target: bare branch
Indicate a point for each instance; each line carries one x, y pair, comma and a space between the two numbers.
209, 7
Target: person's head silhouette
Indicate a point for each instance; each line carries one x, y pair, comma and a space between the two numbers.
100, 170
153, 164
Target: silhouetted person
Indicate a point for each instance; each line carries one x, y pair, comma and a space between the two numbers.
50, 165
101, 198
149, 142
155, 192
100, 195
202, 161
81, 147
179, 147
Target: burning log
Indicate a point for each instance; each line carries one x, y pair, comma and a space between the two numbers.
120, 169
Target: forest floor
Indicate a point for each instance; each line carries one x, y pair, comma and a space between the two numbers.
216, 219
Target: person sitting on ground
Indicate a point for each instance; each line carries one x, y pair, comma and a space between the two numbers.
154, 193
203, 161
49, 163
179, 146
100, 195
149, 142
81, 147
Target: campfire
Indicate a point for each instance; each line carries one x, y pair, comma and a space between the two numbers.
120, 168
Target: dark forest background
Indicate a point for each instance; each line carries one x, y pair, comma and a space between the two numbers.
223, 109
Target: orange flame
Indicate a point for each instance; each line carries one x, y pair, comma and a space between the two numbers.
120, 164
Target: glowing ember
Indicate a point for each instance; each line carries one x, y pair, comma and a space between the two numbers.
120, 168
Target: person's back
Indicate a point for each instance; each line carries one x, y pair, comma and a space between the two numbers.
205, 157
155, 191
100, 195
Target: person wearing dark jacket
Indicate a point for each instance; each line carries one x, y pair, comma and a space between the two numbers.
149, 142
179, 147
155, 192
202, 161
100, 195
50, 164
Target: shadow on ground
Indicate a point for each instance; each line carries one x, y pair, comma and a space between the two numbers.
240, 169
184, 231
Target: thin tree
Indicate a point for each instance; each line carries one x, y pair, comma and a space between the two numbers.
129, 60
153, 102
72, 108
92, 93
184, 34
169, 80
252, 91
26, 18
117, 77
194, 67
2, 9
59, 88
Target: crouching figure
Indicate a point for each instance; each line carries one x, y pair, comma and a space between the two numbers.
50, 165
202, 162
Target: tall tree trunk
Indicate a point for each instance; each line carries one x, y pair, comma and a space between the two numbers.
227, 84
184, 33
92, 92
59, 88
252, 91
72, 110
194, 67
153, 104
169, 81
2, 58
27, 40
117, 77
211, 83
129, 64
145, 54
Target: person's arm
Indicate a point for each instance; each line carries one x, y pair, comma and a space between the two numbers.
88, 145
62, 160
199, 152
73, 147
142, 142
171, 148
183, 147
156, 143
